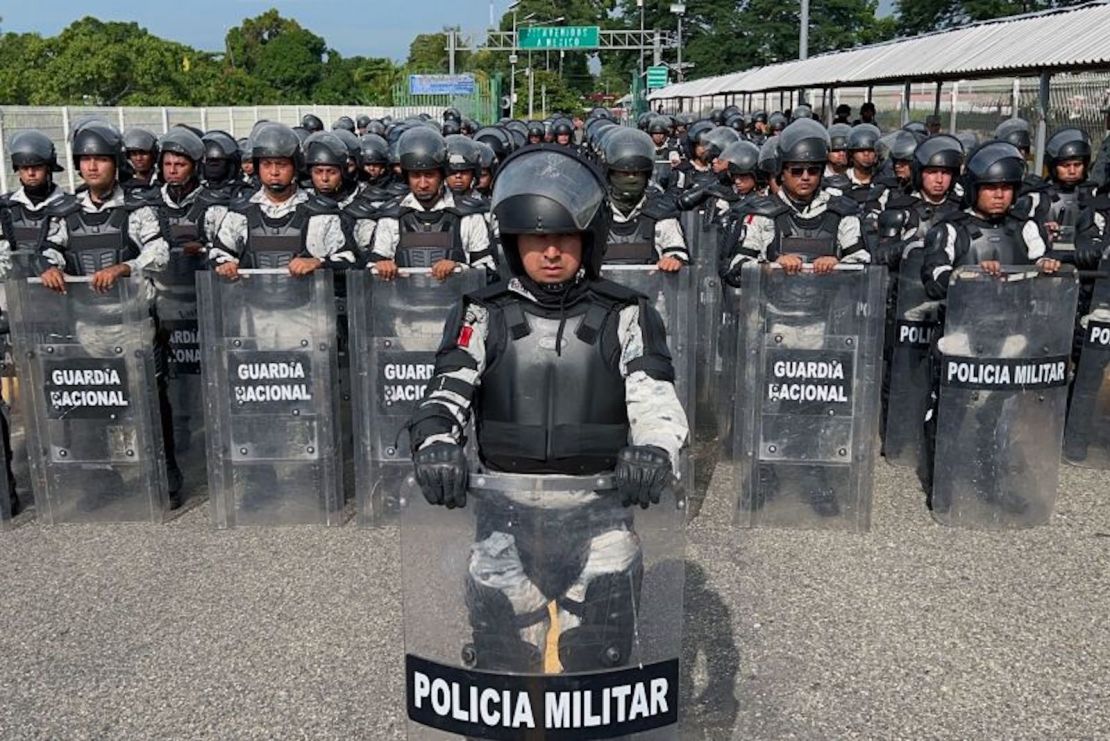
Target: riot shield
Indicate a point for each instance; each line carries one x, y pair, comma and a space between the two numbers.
176, 304
396, 328
806, 412
915, 321
542, 609
1087, 435
702, 235
89, 394
1003, 368
269, 365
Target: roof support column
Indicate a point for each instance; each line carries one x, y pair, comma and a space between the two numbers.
954, 97
936, 99
906, 92
1042, 124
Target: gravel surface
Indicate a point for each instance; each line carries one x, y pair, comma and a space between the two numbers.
909, 631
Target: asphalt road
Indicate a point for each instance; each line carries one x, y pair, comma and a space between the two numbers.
909, 631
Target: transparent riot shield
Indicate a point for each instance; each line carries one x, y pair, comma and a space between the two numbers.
701, 230
396, 328
1003, 371
915, 321
807, 374
542, 609
1087, 435
269, 364
89, 393
176, 304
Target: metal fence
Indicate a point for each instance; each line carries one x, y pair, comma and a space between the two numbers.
977, 106
56, 122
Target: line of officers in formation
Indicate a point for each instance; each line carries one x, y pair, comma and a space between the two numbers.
414, 193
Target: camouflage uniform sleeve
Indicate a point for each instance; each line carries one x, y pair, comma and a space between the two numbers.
230, 238
5, 259
476, 242
755, 235
145, 230
655, 414
54, 243
938, 259
386, 237
669, 241
445, 410
213, 217
327, 241
849, 240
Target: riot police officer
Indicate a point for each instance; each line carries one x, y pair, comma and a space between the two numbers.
695, 169
644, 225
555, 337
430, 227
463, 165
563, 129
101, 234
990, 232
311, 123
281, 225
1067, 160
23, 214
487, 168
141, 148
667, 155
863, 158
376, 175
838, 150
327, 157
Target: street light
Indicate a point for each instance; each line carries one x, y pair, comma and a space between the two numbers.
679, 9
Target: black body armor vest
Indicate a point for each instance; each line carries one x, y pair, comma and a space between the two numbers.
426, 237
273, 243
182, 225
25, 229
632, 242
810, 238
97, 241
999, 241
543, 411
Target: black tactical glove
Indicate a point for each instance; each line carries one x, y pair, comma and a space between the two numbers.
643, 473
441, 472
693, 197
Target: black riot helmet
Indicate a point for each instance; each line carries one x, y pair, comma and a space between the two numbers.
467, 127
694, 134
776, 122
864, 136
969, 140
452, 114
139, 140
487, 158
716, 139
374, 150
536, 128
659, 125
897, 146
917, 128
30, 148
497, 139
362, 121
244, 148
628, 150
462, 155
838, 136
97, 139
325, 148
1066, 144
717, 117
352, 143
940, 150
450, 127
312, 123
742, 158
769, 162
802, 110
518, 130
344, 122
548, 189
562, 126
994, 162
737, 122
1015, 131
600, 112
277, 141
759, 117
642, 120
221, 156
421, 148
804, 140
181, 141
376, 127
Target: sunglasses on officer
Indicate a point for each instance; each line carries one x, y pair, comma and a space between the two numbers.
800, 170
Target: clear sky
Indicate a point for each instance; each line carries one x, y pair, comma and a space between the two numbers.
368, 27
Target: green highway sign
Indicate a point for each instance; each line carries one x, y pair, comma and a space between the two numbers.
558, 37
656, 77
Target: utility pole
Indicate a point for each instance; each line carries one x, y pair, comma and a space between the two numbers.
803, 32
679, 9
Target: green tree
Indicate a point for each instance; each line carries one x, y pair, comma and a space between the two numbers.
922, 16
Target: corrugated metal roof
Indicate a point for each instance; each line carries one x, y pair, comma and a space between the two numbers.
1073, 37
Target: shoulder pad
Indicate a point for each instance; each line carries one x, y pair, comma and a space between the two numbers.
1099, 201
901, 200
241, 203
146, 196
768, 206
952, 217
469, 205
616, 292
210, 197
840, 182
843, 205
320, 205
392, 208
362, 208
64, 206
660, 206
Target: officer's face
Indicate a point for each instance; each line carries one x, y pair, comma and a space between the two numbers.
659, 138
550, 258
994, 198
838, 157
801, 179
143, 162
326, 178
98, 171
460, 182
1070, 171
719, 165
276, 172
743, 184
864, 158
425, 184
485, 180
699, 152
176, 169
374, 170
563, 139
33, 176
935, 182
248, 168
902, 170
535, 139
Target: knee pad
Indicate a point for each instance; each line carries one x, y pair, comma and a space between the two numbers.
497, 644
608, 613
